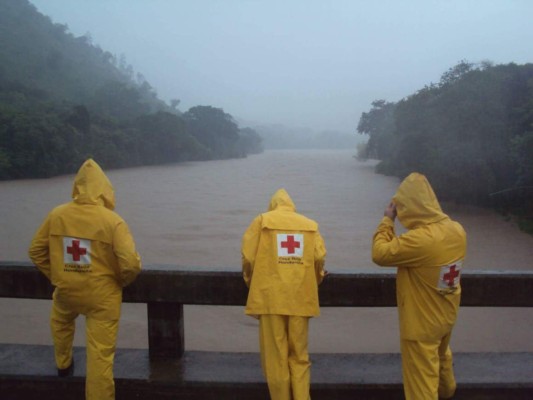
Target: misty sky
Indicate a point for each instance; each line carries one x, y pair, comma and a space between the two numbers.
305, 63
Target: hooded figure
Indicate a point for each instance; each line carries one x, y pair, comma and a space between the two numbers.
283, 259
429, 258
88, 253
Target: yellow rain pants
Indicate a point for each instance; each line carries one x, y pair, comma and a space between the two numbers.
101, 338
427, 369
284, 356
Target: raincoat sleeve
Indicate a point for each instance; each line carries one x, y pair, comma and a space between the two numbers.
320, 258
389, 250
250, 243
129, 261
39, 251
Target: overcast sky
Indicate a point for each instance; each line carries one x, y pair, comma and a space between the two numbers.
304, 63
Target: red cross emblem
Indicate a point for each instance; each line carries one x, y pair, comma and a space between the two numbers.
449, 277
76, 251
290, 244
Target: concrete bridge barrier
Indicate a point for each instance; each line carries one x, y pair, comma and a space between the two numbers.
166, 370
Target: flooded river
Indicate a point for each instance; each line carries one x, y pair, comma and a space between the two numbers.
194, 214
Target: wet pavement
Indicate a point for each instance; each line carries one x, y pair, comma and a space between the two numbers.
30, 369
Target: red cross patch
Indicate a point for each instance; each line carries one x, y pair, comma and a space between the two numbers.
76, 251
450, 275
290, 245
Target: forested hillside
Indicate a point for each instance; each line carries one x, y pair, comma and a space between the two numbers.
63, 99
471, 134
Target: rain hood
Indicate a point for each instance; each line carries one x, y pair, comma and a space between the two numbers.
91, 186
281, 201
416, 203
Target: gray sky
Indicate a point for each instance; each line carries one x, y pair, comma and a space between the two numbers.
305, 63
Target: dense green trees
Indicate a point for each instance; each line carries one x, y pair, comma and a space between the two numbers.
35, 145
378, 123
471, 134
249, 141
214, 129
163, 138
62, 99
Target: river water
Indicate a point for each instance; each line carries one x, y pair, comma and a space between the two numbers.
194, 214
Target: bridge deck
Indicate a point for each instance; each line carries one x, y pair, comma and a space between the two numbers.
28, 372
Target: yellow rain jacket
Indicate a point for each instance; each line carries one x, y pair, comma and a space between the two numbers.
85, 248
429, 258
283, 259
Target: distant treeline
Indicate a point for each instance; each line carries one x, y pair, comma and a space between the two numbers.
63, 99
471, 134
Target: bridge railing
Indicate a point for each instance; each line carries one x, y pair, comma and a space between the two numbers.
166, 289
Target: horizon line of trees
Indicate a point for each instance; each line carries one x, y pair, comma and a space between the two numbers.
63, 99
471, 134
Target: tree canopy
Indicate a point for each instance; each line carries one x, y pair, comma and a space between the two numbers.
471, 134
63, 99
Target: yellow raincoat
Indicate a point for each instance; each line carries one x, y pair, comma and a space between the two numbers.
429, 258
283, 259
88, 253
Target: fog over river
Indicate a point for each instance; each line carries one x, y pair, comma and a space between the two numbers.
194, 214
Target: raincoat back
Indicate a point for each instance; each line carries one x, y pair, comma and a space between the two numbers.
85, 248
283, 258
429, 258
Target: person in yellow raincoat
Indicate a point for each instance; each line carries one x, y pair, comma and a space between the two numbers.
88, 253
283, 258
429, 257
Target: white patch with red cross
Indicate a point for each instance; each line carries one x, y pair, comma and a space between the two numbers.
76, 251
450, 275
290, 245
